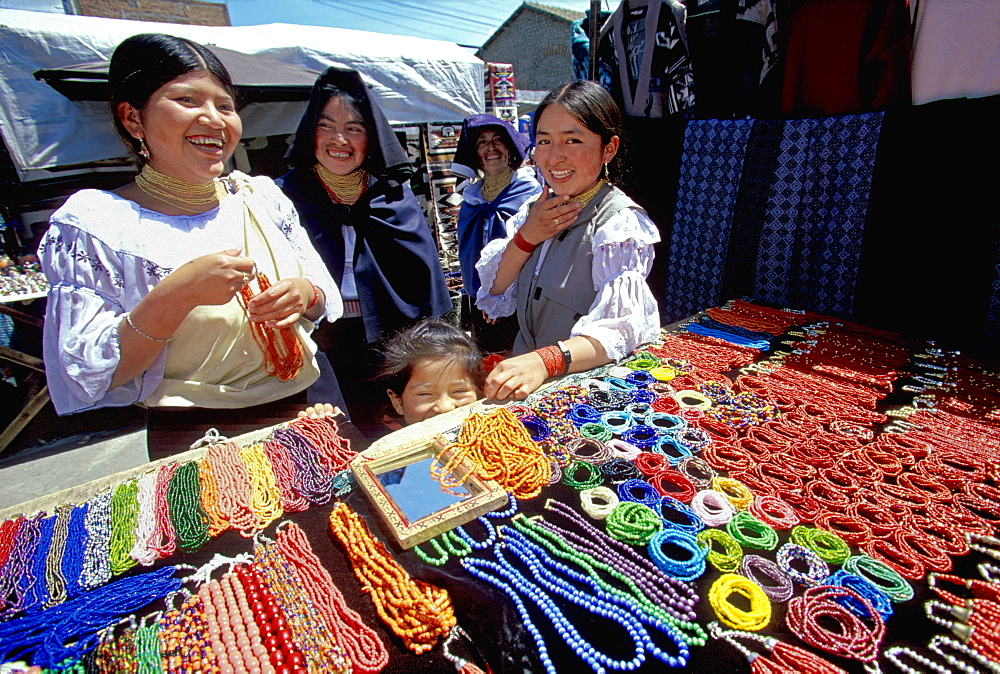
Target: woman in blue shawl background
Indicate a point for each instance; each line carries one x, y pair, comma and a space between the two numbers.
348, 183
492, 152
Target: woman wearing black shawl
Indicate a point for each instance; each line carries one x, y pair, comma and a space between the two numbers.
348, 183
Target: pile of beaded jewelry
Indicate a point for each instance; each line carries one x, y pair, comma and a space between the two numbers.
417, 612
500, 448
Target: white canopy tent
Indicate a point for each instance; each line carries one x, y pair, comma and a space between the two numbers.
415, 80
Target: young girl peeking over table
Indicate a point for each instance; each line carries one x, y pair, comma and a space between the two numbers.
430, 369
573, 266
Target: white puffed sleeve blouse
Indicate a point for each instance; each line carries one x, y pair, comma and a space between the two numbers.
624, 313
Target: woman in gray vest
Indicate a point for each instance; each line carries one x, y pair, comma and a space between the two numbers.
574, 263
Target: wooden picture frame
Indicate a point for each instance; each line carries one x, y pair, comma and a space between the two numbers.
409, 525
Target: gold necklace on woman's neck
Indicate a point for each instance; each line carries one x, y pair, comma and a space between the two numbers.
184, 196
343, 189
584, 197
494, 185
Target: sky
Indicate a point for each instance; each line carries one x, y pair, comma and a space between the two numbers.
466, 22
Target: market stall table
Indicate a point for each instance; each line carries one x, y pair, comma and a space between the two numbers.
920, 482
37, 391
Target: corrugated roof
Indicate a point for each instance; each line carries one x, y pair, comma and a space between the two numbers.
567, 15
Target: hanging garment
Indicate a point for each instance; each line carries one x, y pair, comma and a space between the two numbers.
643, 58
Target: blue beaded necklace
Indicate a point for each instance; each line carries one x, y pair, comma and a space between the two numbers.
65, 632
622, 609
76, 544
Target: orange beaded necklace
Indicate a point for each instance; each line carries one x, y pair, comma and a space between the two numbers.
417, 612
500, 447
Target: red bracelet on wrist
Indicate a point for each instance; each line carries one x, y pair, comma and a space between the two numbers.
522, 243
315, 297
553, 359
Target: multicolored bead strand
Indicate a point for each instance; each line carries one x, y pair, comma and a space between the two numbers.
361, 643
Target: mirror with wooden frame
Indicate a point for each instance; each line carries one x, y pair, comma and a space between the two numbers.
411, 500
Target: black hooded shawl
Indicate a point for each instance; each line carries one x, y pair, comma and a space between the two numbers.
396, 266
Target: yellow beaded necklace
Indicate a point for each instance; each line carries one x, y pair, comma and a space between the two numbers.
343, 189
584, 197
184, 196
494, 185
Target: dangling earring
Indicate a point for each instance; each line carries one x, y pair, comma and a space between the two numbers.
604, 172
143, 150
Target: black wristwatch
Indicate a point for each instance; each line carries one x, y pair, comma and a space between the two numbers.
567, 356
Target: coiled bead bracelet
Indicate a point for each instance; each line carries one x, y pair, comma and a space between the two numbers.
640, 435
672, 448
639, 491
536, 427
690, 567
617, 422
622, 450
596, 431
682, 488
882, 576
643, 360
735, 492
584, 414
695, 438
879, 601
772, 510
816, 569
759, 614
598, 502
692, 398
728, 560
667, 423
712, 507
819, 620
671, 510
643, 395
780, 588
593, 476
698, 471
830, 547
620, 470
663, 373
639, 412
640, 378
751, 532
588, 450
633, 523
650, 463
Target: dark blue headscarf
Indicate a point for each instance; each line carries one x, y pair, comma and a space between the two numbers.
480, 223
396, 265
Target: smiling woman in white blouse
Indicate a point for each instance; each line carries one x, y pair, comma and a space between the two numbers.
184, 291
574, 264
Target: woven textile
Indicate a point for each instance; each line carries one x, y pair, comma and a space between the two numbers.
771, 210
711, 165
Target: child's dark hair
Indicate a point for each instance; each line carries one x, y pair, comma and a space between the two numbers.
430, 339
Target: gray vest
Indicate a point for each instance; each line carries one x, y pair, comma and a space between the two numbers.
548, 305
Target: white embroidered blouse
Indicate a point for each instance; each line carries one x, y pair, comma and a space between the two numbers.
102, 254
624, 313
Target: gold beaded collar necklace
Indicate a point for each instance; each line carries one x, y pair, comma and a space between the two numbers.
343, 189
184, 196
584, 197
494, 185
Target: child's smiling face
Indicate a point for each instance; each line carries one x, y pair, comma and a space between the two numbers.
436, 386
